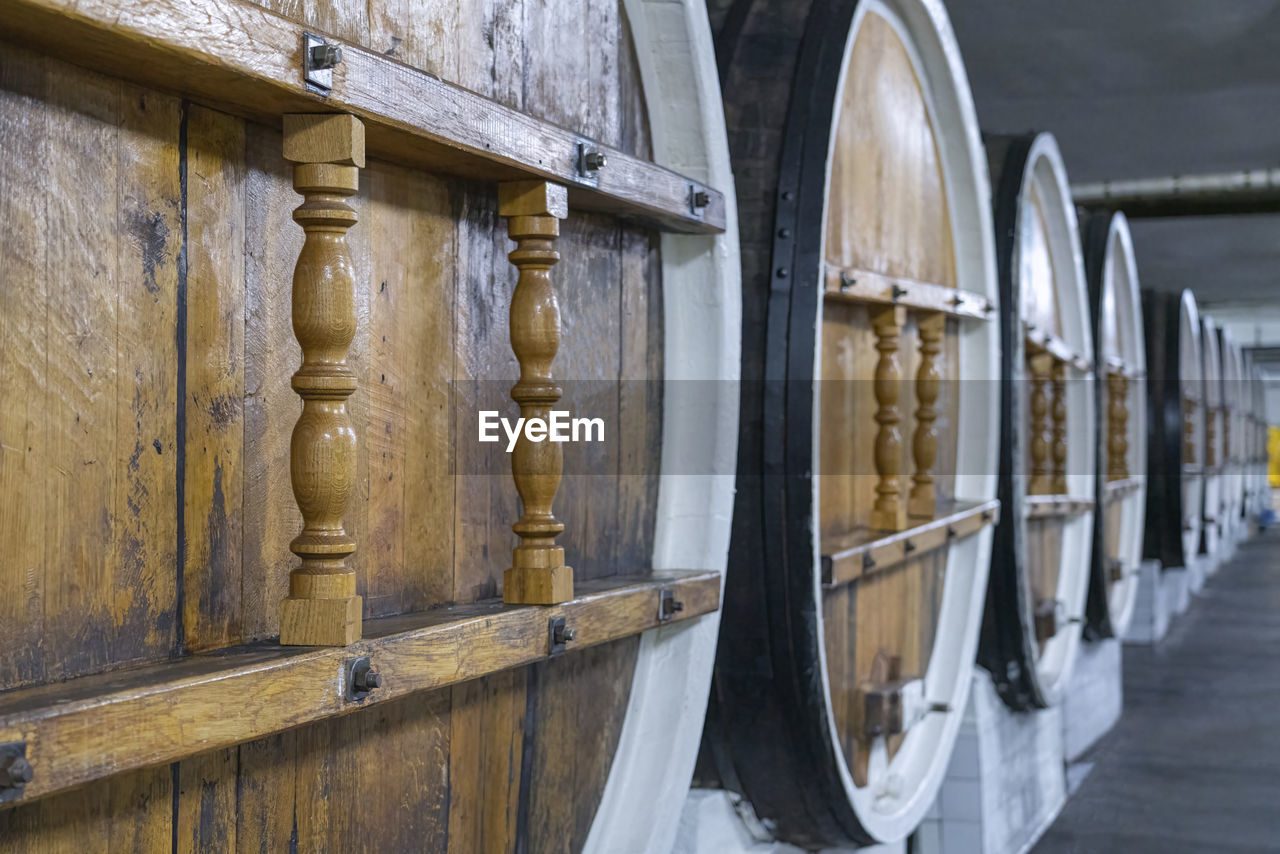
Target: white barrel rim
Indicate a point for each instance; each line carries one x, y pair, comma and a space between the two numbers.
898, 794
702, 303
1189, 331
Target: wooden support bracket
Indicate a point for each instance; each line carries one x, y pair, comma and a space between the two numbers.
924, 444
890, 510
538, 575
322, 608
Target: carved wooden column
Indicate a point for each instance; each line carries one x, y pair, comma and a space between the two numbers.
1039, 363
890, 510
1058, 372
538, 575
1210, 433
1226, 435
924, 444
1188, 430
1117, 426
322, 607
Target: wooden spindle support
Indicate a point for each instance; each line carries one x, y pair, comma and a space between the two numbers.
538, 575
1226, 435
1058, 373
1210, 434
1117, 426
924, 444
1039, 363
889, 512
322, 608
1188, 430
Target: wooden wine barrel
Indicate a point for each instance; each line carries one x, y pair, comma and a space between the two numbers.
860, 541
1175, 428
1115, 305
1043, 546
435, 690
1234, 414
1212, 505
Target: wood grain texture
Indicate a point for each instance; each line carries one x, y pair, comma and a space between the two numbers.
246, 59
430, 252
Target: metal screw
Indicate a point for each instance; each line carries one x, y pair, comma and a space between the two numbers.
788, 196
846, 281
908, 547
782, 272
594, 160
867, 561
898, 292
326, 55
17, 773
784, 233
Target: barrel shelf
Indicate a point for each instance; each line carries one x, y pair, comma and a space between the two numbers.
864, 550
855, 285
244, 59
1056, 506
97, 726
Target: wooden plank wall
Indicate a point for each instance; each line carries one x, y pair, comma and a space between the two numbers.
145, 352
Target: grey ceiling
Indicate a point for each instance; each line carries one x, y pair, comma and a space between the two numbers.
1143, 88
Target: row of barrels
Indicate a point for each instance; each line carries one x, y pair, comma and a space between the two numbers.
959, 427
946, 367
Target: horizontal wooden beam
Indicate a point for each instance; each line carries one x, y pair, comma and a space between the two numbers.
97, 726
868, 553
1118, 489
239, 57
1048, 506
1042, 340
854, 285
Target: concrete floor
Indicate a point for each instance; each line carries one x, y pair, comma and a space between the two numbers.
1194, 764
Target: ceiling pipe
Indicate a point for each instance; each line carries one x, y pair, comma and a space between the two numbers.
1256, 191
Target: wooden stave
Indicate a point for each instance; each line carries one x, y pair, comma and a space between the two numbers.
1099, 228
1008, 646
1163, 320
797, 783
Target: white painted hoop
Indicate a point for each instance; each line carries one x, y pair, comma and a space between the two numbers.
702, 302
1121, 293
895, 800
1045, 170
1191, 364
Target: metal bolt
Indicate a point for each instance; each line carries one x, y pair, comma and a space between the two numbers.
788, 196
701, 199
784, 233
898, 292
364, 679
368, 680
846, 281
594, 160
957, 301
326, 55
564, 633
17, 773
782, 272
943, 708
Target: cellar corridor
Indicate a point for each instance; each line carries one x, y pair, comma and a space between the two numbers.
1194, 763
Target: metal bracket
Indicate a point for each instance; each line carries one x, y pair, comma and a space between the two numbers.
668, 605
318, 59
15, 770
559, 634
361, 679
698, 201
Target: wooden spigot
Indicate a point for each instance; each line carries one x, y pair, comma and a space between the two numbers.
538, 575
322, 608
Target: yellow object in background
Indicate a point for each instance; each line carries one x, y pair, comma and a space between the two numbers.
1273, 457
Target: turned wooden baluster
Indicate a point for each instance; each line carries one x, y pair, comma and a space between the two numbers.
1188, 430
1210, 432
890, 511
322, 608
1039, 362
924, 444
1118, 424
1058, 485
1226, 435
534, 209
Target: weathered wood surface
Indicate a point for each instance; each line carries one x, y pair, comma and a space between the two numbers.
167, 504
97, 726
248, 60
